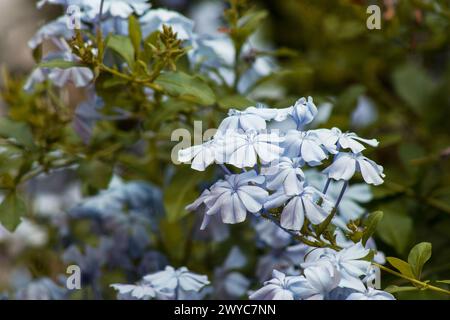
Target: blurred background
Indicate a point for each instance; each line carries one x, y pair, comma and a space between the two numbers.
392, 84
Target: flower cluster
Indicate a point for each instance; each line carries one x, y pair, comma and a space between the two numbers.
269, 159
168, 284
326, 275
208, 51
273, 163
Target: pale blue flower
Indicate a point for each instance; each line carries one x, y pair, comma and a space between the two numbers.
213, 54
260, 67
371, 294
117, 8
344, 242
346, 164
201, 155
327, 138
200, 204
153, 21
281, 287
345, 140
41, 289
365, 113
139, 291
216, 231
320, 280
252, 118
235, 196
304, 144
54, 29
122, 200
78, 76
298, 206
348, 262
233, 285
41, 3
64, 3
207, 16
243, 149
285, 173
228, 282
303, 112
174, 282
38, 75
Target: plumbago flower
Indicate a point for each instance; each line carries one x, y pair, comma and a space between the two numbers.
234, 197
281, 287
346, 164
326, 275
348, 262
242, 150
228, 282
371, 294
78, 76
286, 173
298, 206
319, 281
272, 184
170, 283
345, 140
138, 291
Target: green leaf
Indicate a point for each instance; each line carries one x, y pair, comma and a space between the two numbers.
59, 63
95, 173
11, 209
18, 131
250, 22
235, 101
181, 191
395, 289
414, 86
395, 229
123, 46
418, 256
444, 281
186, 87
134, 30
371, 225
401, 266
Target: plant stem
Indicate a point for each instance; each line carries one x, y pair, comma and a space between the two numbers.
224, 168
145, 82
338, 201
326, 186
421, 284
100, 15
